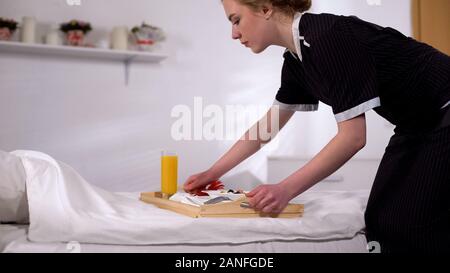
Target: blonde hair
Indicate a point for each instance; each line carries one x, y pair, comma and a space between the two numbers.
289, 7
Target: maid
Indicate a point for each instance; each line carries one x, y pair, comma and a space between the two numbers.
356, 66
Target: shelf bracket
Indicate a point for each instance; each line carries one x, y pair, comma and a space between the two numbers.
127, 64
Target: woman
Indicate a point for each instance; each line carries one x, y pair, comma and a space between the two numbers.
355, 66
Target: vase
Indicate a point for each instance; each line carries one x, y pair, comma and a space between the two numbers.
28, 30
119, 38
145, 44
5, 34
75, 38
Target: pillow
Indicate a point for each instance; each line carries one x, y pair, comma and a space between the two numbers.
13, 196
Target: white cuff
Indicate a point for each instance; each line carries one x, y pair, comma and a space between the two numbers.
297, 107
358, 110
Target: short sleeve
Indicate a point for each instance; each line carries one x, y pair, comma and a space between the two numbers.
350, 73
292, 94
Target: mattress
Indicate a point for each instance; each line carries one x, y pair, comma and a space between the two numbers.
13, 239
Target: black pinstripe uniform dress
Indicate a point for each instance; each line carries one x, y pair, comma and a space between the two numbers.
355, 66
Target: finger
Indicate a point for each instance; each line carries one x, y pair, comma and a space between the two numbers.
277, 208
255, 200
187, 186
264, 202
281, 207
191, 185
197, 185
271, 208
253, 192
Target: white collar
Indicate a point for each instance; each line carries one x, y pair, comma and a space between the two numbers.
296, 35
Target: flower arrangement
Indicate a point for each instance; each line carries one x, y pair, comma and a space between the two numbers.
7, 28
8, 23
75, 31
147, 35
85, 27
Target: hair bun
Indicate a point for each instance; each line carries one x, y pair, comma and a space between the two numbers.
292, 6
286, 6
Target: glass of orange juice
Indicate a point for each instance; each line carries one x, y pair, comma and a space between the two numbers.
169, 172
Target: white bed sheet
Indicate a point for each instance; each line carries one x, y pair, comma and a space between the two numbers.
64, 207
13, 239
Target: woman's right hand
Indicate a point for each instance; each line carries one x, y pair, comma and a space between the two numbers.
198, 181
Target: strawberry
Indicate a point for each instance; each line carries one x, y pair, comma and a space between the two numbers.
201, 193
214, 185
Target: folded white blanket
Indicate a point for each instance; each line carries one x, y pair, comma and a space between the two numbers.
64, 207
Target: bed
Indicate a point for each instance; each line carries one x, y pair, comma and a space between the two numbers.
67, 214
13, 239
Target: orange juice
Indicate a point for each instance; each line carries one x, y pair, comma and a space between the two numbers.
169, 172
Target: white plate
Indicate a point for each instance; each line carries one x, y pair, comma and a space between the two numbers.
232, 196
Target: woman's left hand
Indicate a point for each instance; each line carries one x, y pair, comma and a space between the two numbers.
269, 198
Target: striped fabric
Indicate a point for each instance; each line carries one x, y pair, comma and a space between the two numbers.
409, 206
349, 63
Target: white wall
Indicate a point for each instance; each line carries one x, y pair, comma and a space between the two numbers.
82, 113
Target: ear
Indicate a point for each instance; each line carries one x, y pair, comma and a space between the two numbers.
267, 11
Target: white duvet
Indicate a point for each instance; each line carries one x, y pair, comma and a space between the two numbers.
63, 207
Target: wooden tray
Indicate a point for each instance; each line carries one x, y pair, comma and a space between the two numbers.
225, 209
